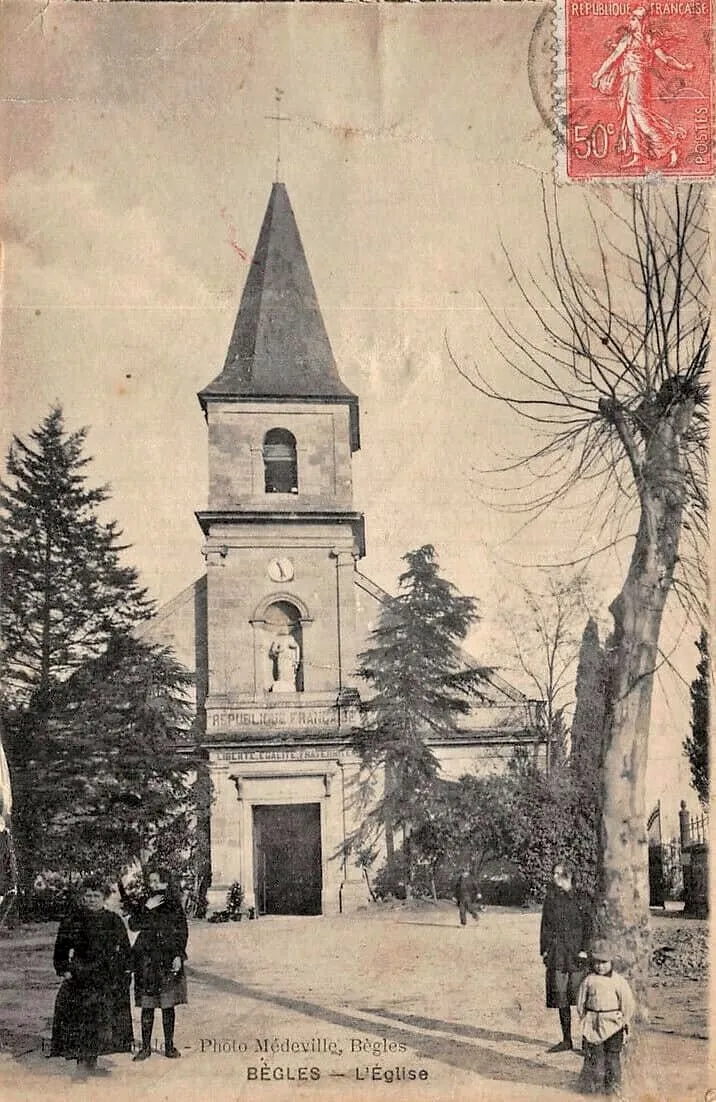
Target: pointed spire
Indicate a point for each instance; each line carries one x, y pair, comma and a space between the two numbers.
279, 348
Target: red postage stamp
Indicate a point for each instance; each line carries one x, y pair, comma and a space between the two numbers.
637, 86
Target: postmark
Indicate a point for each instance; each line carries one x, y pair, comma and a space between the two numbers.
637, 86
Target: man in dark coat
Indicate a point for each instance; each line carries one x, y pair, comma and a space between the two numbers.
565, 933
467, 896
92, 1011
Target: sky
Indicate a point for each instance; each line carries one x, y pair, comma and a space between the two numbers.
139, 158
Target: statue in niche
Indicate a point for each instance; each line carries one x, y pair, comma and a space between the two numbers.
285, 655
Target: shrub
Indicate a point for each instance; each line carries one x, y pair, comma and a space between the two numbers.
389, 881
234, 900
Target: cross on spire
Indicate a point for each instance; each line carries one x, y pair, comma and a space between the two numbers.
279, 118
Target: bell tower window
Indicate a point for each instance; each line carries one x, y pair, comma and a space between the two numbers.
280, 464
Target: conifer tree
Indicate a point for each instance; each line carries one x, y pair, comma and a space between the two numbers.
696, 745
64, 588
65, 595
119, 750
418, 684
589, 712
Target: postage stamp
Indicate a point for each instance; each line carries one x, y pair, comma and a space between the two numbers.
636, 88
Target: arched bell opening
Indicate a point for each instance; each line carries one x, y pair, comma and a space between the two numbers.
280, 462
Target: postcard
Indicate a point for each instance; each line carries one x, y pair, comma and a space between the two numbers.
355, 377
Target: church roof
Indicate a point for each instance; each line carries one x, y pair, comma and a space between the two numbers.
279, 348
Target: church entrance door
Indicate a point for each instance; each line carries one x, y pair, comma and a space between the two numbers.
287, 859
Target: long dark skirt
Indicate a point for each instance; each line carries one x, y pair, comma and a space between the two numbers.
91, 1020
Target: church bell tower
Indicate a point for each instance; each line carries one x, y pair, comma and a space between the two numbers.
281, 542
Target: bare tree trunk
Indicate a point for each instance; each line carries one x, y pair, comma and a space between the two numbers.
633, 654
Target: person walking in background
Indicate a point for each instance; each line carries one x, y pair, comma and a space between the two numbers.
159, 954
565, 932
92, 1010
605, 1004
467, 896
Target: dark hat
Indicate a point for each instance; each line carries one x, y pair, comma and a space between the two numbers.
600, 950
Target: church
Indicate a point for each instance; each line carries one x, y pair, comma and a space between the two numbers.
273, 628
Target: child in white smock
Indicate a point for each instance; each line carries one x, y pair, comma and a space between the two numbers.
605, 1005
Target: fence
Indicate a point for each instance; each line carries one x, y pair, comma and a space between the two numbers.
694, 831
666, 880
694, 828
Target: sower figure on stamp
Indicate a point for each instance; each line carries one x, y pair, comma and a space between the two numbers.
564, 938
643, 134
468, 897
606, 1007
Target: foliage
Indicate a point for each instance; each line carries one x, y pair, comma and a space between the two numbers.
589, 712
554, 817
503, 885
508, 829
65, 591
234, 902
696, 745
465, 824
364, 860
66, 596
390, 880
53, 895
419, 685
110, 779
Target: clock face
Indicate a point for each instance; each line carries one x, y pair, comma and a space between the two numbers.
280, 570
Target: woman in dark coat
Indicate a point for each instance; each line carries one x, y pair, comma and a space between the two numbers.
92, 1011
565, 933
159, 954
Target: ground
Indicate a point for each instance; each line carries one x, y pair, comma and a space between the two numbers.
363, 1003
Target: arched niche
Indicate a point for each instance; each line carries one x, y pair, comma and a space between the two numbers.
279, 644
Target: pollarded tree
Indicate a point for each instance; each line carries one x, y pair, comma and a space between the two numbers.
696, 745
613, 377
65, 589
418, 686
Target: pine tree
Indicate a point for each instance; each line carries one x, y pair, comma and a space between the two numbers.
419, 685
589, 712
65, 594
696, 745
118, 754
64, 589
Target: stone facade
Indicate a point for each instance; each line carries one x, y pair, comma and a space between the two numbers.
273, 629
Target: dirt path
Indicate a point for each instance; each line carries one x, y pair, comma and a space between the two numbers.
403, 1002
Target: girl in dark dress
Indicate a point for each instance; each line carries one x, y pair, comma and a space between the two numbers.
92, 1011
159, 954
